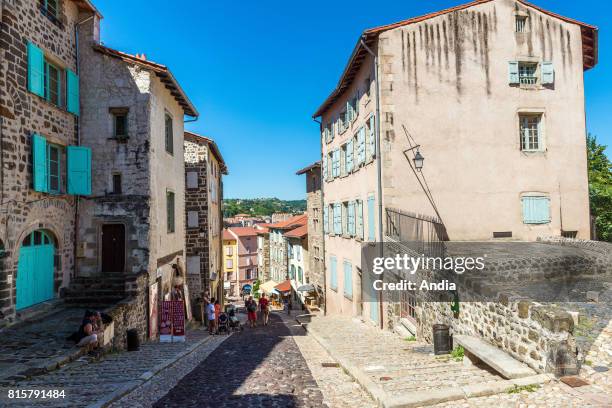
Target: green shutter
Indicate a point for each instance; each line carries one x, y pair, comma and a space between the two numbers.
333, 281
39, 163
36, 70
348, 279
548, 73
79, 170
72, 91
513, 72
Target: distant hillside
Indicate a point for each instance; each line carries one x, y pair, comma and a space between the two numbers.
261, 206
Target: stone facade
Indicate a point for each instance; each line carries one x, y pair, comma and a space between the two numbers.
22, 114
315, 272
279, 257
203, 227
263, 254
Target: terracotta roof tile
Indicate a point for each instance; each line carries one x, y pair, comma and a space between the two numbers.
292, 222
299, 232
243, 231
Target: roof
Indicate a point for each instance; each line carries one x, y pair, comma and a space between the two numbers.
283, 286
213, 147
262, 228
308, 168
228, 235
161, 71
87, 5
290, 223
369, 36
243, 231
299, 232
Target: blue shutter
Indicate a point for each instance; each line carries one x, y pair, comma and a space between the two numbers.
337, 219
349, 156
39, 164
348, 279
36, 70
359, 209
372, 144
536, 210
79, 170
325, 220
548, 73
324, 167
361, 146
336, 163
72, 91
334, 273
351, 218
513, 72
371, 225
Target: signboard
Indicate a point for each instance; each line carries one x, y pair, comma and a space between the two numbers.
178, 320
165, 323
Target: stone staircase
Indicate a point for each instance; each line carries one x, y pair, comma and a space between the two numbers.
96, 291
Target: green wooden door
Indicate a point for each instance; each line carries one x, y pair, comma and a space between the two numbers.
35, 270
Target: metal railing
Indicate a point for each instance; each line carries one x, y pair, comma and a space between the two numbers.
421, 233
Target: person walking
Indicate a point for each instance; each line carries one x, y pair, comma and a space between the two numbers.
210, 314
251, 307
264, 306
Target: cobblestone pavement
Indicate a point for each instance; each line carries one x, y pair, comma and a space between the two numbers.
87, 382
28, 348
260, 367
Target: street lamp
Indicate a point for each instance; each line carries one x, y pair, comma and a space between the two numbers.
418, 161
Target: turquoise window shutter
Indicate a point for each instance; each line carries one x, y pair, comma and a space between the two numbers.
513, 72
371, 226
536, 210
351, 218
349, 156
39, 164
359, 209
324, 167
548, 73
36, 70
79, 170
337, 219
334, 273
325, 220
348, 279
372, 143
72, 91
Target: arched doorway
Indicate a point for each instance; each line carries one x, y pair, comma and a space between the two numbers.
35, 269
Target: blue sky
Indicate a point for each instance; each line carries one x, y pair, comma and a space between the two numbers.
257, 70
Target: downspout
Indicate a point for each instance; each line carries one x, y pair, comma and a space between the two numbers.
322, 212
78, 143
378, 167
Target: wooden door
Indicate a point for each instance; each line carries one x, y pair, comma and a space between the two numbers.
113, 248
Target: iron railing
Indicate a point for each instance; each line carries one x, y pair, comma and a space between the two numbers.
422, 234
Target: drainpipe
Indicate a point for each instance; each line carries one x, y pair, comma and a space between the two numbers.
78, 142
322, 211
378, 165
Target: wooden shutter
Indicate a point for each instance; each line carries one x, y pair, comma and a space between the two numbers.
72, 92
324, 167
333, 281
372, 139
348, 279
79, 170
361, 146
548, 73
359, 217
513, 72
536, 210
39, 164
351, 218
337, 219
349, 156
36, 70
371, 225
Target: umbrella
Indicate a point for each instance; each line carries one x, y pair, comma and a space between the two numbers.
306, 288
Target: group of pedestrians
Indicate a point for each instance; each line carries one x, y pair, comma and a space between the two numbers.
264, 308
213, 310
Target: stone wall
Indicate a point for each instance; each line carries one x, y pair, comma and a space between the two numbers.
315, 273
132, 313
22, 114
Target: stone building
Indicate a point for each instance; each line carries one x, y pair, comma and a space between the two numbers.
40, 183
491, 93
263, 252
278, 246
132, 119
204, 167
315, 273
246, 246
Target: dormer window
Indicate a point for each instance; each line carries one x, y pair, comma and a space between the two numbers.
521, 24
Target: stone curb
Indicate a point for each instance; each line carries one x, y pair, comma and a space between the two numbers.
427, 397
146, 376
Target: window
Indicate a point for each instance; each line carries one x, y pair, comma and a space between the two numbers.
53, 84
229, 251
117, 183
193, 265
359, 219
536, 209
120, 124
192, 219
300, 276
333, 276
371, 138
521, 24
192, 179
531, 132
229, 263
408, 306
54, 155
350, 221
169, 134
348, 279
528, 73
336, 163
292, 272
337, 219
50, 7
170, 211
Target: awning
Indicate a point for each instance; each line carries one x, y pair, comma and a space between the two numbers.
268, 287
284, 286
306, 288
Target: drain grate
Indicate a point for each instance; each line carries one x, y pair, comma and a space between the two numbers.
574, 382
335, 365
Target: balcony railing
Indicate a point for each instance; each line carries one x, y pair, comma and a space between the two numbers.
420, 233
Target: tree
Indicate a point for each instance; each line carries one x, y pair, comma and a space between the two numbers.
600, 188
